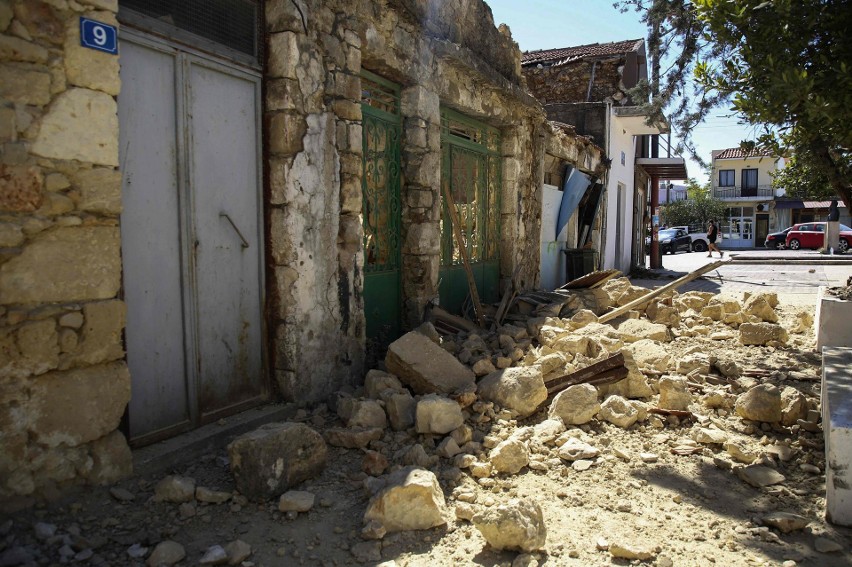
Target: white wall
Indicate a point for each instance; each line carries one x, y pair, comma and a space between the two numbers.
620, 141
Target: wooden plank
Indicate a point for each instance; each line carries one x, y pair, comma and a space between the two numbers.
471, 283
659, 291
579, 376
438, 314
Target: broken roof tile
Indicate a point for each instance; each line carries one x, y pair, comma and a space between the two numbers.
564, 55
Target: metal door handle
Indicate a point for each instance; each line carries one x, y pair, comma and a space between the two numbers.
245, 243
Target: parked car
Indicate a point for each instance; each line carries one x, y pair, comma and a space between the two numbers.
674, 240
699, 239
812, 235
777, 240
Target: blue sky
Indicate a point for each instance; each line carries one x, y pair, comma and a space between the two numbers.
546, 24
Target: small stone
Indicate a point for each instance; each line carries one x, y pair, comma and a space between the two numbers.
483, 367
760, 403
618, 411
376, 382
367, 414
238, 551
166, 552
367, 551
448, 448
710, 436
574, 449
581, 465
373, 530
203, 494
785, 521
374, 463
137, 551
518, 389
175, 489
215, 555
510, 456
352, 438
518, 525
674, 393
43, 530
649, 457
759, 476
412, 499
436, 414
623, 550
825, 545
187, 510
296, 501
575, 405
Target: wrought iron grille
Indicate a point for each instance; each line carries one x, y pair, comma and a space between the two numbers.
381, 129
232, 23
471, 171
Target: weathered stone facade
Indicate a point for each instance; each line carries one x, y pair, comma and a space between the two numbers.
63, 380
442, 55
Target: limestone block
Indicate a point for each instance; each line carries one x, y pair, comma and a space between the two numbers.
283, 55
32, 350
286, 15
758, 305
40, 20
794, 406
436, 414
376, 382
421, 102
101, 333
400, 408
422, 238
575, 405
58, 399
24, 85
346, 109
509, 456
100, 190
633, 330
111, 459
81, 124
649, 354
519, 389
67, 264
367, 413
286, 133
20, 188
674, 393
284, 94
518, 525
11, 235
426, 367
352, 438
17, 49
761, 403
618, 411
274, 457
715, 312
412, 499
86, 67
762, 333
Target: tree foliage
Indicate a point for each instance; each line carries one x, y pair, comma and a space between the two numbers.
695, 211
782, 65
803, 182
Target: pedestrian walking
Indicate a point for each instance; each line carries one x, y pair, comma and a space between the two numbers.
712, 234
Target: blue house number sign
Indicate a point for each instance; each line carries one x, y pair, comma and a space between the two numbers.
98, 35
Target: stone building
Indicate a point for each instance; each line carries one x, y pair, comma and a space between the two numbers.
241, 205
589, 87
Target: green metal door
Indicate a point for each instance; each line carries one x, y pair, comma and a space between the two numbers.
381, 129
471, 172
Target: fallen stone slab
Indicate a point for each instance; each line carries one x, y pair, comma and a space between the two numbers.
518, 525
269, 460
759, 476
411, 499
426, 367
518, 389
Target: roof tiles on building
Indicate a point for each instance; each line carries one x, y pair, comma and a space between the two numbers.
738, 153
563, 55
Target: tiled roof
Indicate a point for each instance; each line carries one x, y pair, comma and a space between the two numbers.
738, 153
567, 54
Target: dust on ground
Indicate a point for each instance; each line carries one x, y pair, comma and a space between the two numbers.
688, 509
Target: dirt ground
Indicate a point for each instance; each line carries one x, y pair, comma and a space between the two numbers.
689, 510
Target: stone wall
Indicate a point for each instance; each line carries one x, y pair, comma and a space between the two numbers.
441, 54
63, 381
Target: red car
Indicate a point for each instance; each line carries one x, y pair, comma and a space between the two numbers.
812, 235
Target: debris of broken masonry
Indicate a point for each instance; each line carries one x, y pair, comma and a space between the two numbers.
435, 442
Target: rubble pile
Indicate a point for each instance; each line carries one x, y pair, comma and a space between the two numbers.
494, 432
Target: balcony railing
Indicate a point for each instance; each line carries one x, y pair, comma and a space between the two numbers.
738, 192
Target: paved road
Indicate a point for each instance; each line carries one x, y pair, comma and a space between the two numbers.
795, 276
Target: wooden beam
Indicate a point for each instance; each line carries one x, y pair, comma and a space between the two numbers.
659, 291
471, 283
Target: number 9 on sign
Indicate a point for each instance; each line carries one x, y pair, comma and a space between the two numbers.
98, 35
